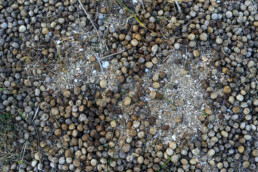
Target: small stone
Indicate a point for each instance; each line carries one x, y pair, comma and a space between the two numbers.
126, 148
193, 161
240, 97
175, 158
153, 94
155, 77
22, 28
214, 16
184, 161
127, 101
203, 36
27, 83
61, 160
172, 145
236, 109
82, 117
256, 24
156, 85
76, 162
246, 164
44, 117
191, 37
255, 152
251, 64
45, 31
241, 149
67, 93
152, 19
93, 162
4, 25
227, 90
229, 14
196, 151
169, 151
92, 59
247, 137
140, 134
211, 152
113, 123
54, 111
224, 133
136, 124
38, 156
153, 130
77, 90
134, 42
154, 48
103, 83
149, 65
196, 53
213, 96
176, 46
255, 102
219, 40
34, 163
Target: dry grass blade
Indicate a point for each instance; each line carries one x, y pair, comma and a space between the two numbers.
172, 155
23, 153
88, 16
134, 15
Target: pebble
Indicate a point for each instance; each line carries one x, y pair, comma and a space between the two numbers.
214, 95
45, 31
176, 46
103, 83
255, 152
224, 133
134, 42
153, 130
127, 101
241, 149
149, 65
229, 14
214, 16
240, 97
154, 48
211, 152
227, 90
22, 28
4, 25
126, 148
38, 156
219, 40
153, 94
175, 158
191, 36
172, 145
169, 151
155, 85
67, 93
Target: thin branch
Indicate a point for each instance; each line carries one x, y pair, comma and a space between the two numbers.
88, 16
24, 150
102, 58
100, 64
36, 112
178, 6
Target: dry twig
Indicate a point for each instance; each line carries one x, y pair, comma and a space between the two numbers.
89, 17
112, 54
